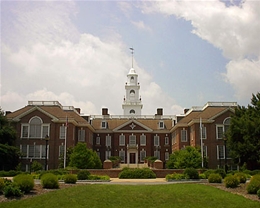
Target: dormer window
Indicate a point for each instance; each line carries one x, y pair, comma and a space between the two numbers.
132, 79
161, 125
103, 124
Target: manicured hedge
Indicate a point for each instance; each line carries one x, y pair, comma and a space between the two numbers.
232, 181
136, 173
254, 184
83, 174
49, 180
70, 178
215, 178
25, 182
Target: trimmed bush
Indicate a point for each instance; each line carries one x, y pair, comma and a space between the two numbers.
83, 174
220, 172
70, 178
50, 181
208, 172
54, 171
241, 177
232, 181
258, 193
175, 176
202, 176
24, 182
2, 185
12, 190
10, 173
254, 185
215, 178
191, 173
98, 177
137, 173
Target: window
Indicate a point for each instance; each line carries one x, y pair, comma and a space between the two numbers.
132, 111
122, 155
220, 131
205, 151
61, 150
122, 140
161, 125
203, 132
24, 150
81, 135
166, 155
142, 140
166, 140
157, 154
132, 140
156, 140
132, 79
62, 132
220, 152
174, 138
142, 155
108, 154
184, 135
97, 140
34, 129
34, 151
226, 124
103, 124
108, 140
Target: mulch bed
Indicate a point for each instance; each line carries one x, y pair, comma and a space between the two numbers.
38, 190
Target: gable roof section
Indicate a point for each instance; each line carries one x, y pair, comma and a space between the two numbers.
132, 125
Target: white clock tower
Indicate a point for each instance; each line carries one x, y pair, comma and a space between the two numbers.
132, 104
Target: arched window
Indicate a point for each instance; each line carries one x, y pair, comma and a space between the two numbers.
226, 124
132, 92
35, 127
132, 111
132, 79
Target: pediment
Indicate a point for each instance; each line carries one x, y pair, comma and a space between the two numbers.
132, 126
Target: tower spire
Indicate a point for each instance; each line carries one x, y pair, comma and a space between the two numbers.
132, 52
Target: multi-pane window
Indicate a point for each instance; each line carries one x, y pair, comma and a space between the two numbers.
108, 154
157, 154
34, 129
132, 140
97, 140
166, 140
81, 135
161, 125
142, 155
122, 155
167, 155
62, 132
156, 140
174, 138
122, 140
220, 151
205, 151
103, 124
220, 131
61, 150
108, 140
34, 151
142, 140
184, 135
203, 132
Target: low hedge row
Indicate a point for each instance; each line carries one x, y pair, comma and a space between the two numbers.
136, 173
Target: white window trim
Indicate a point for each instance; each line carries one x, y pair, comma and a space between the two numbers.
156, 137
167, 155
205, 134
143, 137
142, 152
161, 124
97, 140
122, 140
166, 140
184, 139
108, 141
217, 126
105, 124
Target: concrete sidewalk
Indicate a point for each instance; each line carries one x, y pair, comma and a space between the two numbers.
153, 180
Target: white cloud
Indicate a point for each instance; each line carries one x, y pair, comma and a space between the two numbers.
233, 29
141, 25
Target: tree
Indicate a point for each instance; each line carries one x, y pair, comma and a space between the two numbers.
189, 157
84, 158
244, 134
9, 154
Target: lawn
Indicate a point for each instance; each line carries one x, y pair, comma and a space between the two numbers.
104, 195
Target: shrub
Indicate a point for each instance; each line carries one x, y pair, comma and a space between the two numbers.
208, 172
2, 185
258, 193
191, 173
83, 174
202, 176
241, 177
24, 182
12, 190
215, 178
175, 176
220, 172
254, 185
137, 173
10, 173
55, 172
97, 177
232, 181
70, 178
50, 181
36, 166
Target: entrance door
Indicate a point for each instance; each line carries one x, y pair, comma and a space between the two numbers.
132, 158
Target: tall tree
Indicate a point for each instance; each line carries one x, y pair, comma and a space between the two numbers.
244, 134
9, 154
84, 158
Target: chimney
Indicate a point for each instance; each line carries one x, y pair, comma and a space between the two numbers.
78, 110
105, 111
159, 112
186, 110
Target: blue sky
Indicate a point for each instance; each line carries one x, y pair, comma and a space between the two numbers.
77, 52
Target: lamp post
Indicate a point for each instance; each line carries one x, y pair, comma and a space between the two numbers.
46, 150
225, 146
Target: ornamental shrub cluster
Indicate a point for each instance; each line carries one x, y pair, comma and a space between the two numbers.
83, 174
24, 182
191, 173
232, 181
221, 172
136, 173
215, 178
175, 176
254, 184
8, 188
70, 178
241, 177
49, 180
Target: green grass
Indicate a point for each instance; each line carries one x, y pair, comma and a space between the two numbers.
104, 195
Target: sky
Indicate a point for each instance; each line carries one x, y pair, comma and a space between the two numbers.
186, 53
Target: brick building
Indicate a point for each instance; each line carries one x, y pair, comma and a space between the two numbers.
48, 127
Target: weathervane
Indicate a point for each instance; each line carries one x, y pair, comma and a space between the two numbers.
132, 52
